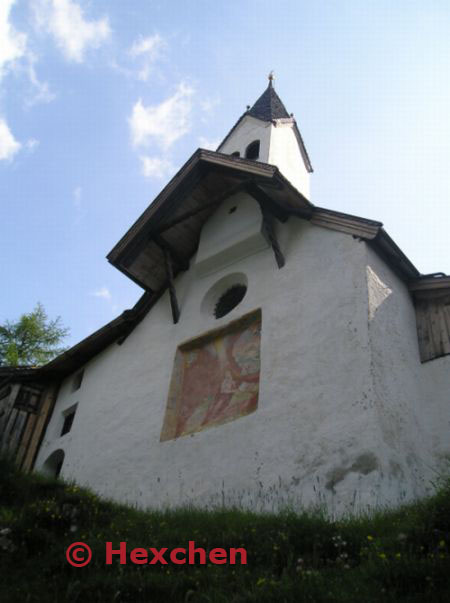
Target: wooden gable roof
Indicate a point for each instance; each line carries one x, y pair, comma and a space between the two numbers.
175, 218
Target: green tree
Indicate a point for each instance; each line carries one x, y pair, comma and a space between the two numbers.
32, 340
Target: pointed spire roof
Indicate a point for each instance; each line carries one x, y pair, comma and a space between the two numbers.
268, 108
269, 105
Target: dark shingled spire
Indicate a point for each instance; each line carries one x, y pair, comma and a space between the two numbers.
268, 106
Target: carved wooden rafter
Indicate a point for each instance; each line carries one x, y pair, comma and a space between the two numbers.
269, 211
132, 254
172, 291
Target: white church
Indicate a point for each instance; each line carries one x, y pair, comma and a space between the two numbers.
281, 355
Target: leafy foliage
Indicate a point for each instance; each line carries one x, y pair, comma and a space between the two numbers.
32, 340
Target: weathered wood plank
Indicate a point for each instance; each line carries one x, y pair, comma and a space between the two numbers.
433, 327
26, 439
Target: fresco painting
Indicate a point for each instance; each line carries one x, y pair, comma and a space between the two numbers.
215, 378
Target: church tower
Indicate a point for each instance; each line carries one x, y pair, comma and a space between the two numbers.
267, 132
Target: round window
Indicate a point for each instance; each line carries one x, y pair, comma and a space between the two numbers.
229, 300
225, 295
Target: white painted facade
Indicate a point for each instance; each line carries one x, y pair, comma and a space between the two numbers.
347, 415
278, 146
221, 247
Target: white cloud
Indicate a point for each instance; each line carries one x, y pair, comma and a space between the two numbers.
16, 56
12, 43
208, 144
103, 292
42, 92
9, 146
209, 104
64, 20
147, 50
31, 144
77, 192
154, 167
165, 123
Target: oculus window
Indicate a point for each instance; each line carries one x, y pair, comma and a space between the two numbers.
229, 300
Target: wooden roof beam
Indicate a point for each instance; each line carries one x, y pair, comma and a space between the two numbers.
182, 263
265, 201
135, 250
215, 202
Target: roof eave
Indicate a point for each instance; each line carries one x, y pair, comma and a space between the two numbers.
394, 256
76, 356
202, 157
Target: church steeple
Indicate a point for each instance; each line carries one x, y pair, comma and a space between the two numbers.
269, 105
267, 132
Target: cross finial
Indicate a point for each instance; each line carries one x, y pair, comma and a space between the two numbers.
271, 77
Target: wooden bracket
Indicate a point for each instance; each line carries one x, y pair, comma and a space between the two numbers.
180, 262
172, 292
269, 210
270, 232
265, 201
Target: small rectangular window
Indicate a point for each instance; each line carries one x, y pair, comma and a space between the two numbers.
77, 381
69, 416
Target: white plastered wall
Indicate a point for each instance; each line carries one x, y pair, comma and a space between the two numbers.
332, 427
221, 247
249, 130
284, 152
412, 398
278, 146
436, 411
405, 452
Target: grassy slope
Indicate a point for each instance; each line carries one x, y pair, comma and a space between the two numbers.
397, 556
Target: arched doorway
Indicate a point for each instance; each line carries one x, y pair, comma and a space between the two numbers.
53, 465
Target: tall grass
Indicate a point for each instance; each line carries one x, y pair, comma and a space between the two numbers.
401, 555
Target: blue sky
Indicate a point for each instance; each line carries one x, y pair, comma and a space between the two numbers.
101, 101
